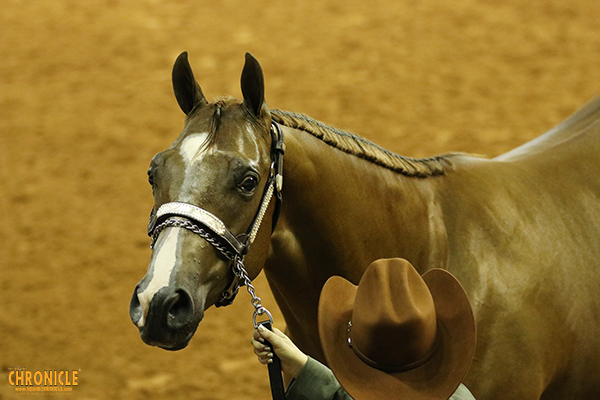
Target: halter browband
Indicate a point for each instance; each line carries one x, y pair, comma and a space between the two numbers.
213, 230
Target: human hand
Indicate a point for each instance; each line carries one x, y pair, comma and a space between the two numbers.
292, 359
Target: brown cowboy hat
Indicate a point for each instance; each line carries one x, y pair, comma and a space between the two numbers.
397, 334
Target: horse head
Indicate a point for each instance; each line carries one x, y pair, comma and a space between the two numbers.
207, 187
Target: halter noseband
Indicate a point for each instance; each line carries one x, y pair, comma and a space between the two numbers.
214, 231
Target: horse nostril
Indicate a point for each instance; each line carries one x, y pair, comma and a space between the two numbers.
135, 309
181, 310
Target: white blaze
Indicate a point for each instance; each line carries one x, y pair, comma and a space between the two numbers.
162, 265
165, 253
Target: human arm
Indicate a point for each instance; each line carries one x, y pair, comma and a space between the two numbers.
311, 380
292, 359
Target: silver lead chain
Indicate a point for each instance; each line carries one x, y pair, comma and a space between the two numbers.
240, 271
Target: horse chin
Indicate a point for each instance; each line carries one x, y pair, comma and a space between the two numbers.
183, 346
171, 341
177, 346
167, 338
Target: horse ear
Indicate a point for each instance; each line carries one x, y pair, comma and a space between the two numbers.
187, 91
253, 85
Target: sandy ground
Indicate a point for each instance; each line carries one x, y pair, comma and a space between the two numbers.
86, 101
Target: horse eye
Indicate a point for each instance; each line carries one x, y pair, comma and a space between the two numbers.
249, 184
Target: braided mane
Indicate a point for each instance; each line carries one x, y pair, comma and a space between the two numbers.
362, 148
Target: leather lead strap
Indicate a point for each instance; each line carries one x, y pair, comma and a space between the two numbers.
275, 377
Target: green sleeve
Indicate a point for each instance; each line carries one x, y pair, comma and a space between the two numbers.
316, 382
462, 393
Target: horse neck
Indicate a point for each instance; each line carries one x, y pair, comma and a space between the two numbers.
339, 214
341, 201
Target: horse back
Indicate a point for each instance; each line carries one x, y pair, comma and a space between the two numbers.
576, 136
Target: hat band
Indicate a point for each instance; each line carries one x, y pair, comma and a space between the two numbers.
391, 368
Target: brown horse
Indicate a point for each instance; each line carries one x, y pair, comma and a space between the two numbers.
520, 231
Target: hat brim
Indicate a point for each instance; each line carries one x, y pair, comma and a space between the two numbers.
437, 378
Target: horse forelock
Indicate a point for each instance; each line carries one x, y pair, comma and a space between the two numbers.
220, 107
363, 148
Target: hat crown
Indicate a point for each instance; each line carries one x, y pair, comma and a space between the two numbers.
394, 319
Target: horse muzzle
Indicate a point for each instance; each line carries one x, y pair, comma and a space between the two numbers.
170, 320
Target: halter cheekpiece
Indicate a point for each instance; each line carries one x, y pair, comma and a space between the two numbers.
213, 230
